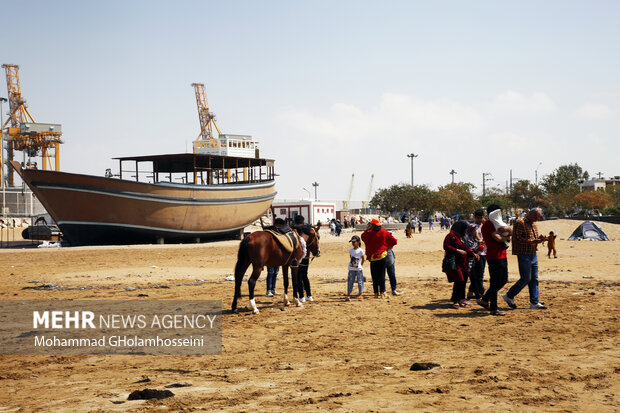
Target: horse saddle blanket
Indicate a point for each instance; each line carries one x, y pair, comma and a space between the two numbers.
288, 240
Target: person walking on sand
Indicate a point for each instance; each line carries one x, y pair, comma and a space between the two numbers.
377, 241
498, 263
455, 245
356, 273
525, 242
476, 284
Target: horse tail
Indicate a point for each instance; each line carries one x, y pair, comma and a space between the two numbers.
242, 256
243, 262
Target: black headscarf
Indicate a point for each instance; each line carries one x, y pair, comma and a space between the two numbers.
460, 227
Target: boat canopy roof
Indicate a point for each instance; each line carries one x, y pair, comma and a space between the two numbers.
191, 162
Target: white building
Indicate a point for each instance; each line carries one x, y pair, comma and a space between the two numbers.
599, 184
312, 211
229, 145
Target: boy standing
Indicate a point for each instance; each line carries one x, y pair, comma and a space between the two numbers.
356, 273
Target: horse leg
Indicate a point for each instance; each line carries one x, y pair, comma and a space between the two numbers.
285, 280
256, 270
240, 268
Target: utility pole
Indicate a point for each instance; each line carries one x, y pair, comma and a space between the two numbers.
315, 185
600, 174
412, 155
453, 172
484, 181
536, 173
510, 182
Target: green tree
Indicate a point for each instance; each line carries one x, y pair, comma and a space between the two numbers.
497, 197
457, 198
525, 194
404, 197
563, 180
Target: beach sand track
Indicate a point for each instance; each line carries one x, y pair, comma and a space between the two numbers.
331, 354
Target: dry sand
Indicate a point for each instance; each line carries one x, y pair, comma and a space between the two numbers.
330, 354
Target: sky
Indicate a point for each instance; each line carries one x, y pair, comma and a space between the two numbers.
330, 88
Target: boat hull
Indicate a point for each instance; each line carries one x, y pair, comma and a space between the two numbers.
93, 210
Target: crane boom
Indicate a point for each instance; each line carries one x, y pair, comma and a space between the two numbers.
367, 200
345, 204
204, 114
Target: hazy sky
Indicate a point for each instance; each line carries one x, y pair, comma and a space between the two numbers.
330, 88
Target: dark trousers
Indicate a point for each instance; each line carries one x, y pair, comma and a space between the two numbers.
458, 291
498, 274
377, 271
476, 285
302, 276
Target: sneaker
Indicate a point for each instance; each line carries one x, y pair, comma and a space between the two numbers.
359, 297
269, 294
463, 303
396, 293
310, 298
303, 299
509, 301
347, 298
537, 306
275, 292
497, 313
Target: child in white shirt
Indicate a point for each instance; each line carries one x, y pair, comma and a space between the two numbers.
356, 273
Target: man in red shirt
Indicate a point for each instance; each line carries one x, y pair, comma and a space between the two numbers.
377, 241
497, 261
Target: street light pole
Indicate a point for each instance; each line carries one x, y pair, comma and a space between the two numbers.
484, 181
309, 196
453, 172
315, 185
412, 155
536, 173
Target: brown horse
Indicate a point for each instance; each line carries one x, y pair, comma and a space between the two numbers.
260, 249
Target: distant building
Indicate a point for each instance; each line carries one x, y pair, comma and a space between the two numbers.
312, 211
597, 184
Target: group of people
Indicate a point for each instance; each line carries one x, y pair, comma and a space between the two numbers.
379, 243
468, 247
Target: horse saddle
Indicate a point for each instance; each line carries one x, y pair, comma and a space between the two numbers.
287, 240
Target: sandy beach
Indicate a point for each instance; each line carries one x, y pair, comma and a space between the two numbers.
331, 354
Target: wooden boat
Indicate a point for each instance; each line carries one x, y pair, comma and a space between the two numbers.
217, 198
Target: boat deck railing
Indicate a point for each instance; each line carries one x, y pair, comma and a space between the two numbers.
197, 169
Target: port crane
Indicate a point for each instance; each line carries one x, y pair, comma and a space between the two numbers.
346, 204
205, 116
26, 135
365, 203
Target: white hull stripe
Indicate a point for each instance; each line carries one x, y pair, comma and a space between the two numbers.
144, 227
160, 198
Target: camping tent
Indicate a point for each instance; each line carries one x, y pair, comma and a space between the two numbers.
589, 230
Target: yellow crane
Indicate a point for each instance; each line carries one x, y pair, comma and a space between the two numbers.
24, 134
346, 204
205, 116
365, 202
